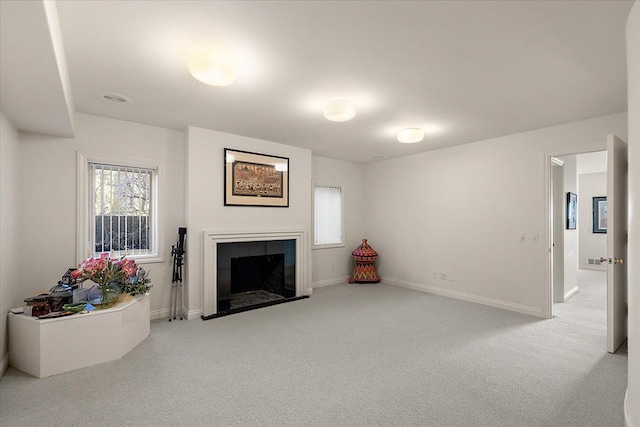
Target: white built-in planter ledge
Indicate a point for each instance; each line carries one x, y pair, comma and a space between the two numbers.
211, 240
53, 346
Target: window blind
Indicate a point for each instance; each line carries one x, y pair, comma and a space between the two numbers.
327, 214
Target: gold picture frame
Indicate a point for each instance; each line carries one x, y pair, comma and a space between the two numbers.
254, 179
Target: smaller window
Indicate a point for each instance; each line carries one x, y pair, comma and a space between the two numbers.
328, 216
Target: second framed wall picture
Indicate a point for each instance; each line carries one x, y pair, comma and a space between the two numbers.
599, 214
254, 179
572, 209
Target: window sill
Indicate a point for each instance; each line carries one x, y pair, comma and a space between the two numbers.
143, 259
328, 246
148, 260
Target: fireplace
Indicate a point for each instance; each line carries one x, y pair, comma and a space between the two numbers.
255, 273
251, 270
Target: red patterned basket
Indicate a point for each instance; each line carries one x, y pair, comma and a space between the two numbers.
364, 270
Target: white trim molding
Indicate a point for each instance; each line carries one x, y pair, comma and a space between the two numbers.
160, 314
524, 309
571, 293
627, 415
166, 312
329, 282
211, 240
194, 314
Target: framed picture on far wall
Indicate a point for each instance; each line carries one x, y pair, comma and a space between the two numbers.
599, 214
572, 209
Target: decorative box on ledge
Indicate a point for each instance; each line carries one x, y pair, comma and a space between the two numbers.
52, 346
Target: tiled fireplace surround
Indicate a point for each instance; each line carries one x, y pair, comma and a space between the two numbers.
213, 238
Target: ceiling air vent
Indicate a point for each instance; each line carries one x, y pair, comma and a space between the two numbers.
115, 98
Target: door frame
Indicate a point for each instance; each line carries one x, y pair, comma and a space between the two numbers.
557, 227
547, 191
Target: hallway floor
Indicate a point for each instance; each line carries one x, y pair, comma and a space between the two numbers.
588, 307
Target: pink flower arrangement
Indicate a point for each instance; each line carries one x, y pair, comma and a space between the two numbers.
105, 270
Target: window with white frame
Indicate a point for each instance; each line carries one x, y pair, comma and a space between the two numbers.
328, 215
121, 209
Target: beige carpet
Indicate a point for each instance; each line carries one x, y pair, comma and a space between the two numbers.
351, 355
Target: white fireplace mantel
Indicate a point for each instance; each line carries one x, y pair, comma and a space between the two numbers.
211, 240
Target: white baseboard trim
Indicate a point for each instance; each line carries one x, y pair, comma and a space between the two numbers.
160, 314
4, 364
165, 312
627, 415
532, 311
571, 293
335, 281
194, 314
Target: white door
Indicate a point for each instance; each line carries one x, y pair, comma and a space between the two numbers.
616, 242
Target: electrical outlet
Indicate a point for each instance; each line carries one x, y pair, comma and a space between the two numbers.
443, 276
435, 274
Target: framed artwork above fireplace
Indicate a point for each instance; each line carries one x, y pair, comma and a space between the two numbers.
253, 179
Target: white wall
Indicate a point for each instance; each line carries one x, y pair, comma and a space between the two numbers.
570, 236
9, 237
48, 197
205, 208
632, 407
461, 211
591, 245
334, 265
592, 162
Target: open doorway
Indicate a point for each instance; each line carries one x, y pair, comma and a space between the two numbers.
615, 228
578, 276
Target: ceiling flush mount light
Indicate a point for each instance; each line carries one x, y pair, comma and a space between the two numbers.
340, 110
410, 135
212, 68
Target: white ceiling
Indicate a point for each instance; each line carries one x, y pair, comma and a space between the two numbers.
34, 85
473, 69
